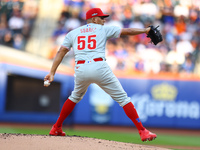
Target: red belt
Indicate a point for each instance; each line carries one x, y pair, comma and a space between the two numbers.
83, 61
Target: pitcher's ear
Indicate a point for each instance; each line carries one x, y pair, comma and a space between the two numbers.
94, 19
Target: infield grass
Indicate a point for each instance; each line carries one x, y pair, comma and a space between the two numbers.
162, 139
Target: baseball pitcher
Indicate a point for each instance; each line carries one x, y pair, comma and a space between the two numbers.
88, 43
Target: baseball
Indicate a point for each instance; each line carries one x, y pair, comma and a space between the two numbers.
46, 83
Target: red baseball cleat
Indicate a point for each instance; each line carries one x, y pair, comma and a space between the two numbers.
147, 135
56, 131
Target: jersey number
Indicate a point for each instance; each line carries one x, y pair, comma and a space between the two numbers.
90, 40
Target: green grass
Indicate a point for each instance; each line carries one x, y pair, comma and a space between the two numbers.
172, 140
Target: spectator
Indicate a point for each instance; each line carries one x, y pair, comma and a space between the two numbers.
181, 10
180, 25
136, 23
196, 56
142, 10
131, 58
121, 54
60, 29
8, 39
184, 45
152, 60
139, 65
16, 22
127, 16
167, 15
188, 65
18, 41
115, 21
3, 31
174, 57
110, 54
73, 22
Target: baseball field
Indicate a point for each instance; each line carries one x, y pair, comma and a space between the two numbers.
82, 137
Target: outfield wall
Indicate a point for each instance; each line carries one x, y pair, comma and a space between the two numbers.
160, 103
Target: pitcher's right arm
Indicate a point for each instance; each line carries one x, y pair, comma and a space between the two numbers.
57, 60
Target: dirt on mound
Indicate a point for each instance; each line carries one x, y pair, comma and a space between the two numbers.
44, 142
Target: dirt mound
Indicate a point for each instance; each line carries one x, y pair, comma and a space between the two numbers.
44, 142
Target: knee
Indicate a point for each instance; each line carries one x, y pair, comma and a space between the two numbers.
123, 102
75, 99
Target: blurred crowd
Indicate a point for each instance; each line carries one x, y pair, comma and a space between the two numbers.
16, 22
178, 22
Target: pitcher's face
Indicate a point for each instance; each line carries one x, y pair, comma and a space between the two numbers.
100, 20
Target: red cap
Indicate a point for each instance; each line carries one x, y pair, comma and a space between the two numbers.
94, 12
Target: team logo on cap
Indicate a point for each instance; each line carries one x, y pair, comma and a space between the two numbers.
94, 14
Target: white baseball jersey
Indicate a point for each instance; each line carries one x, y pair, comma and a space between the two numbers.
88, 42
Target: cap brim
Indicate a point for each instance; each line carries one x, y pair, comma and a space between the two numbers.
104, 15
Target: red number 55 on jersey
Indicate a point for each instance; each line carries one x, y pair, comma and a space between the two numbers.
91, 42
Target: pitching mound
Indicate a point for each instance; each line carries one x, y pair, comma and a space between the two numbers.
44, 142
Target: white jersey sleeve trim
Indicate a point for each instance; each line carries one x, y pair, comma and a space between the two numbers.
119, 33
65, 47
